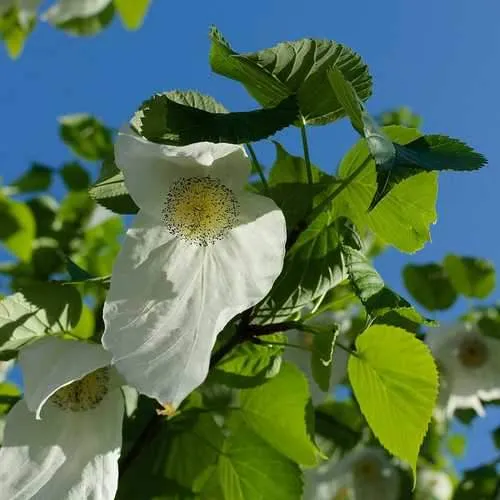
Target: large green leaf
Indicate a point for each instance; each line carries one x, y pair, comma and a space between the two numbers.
471, 276
281, 416
37, 310
347, 97
322, 355
109, 190
289, 68
164, 120
312, 267
250, 469
132, 13
371, 290
86, 136
83, 18
395, 381
289, 186
430, 286
177, 462
250, 364
17, 229
403, 217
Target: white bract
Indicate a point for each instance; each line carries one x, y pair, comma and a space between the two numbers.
433, 485
200, 251
469, 367
63, 440
302, 358
363, 473
5, 367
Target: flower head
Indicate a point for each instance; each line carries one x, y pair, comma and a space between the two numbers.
64, 438
201, 250
468, 363
362, 473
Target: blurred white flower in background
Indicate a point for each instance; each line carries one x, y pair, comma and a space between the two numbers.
433, 485
469, 367
364, 473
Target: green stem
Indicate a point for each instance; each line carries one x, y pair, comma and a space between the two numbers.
346, 349
305, 145
258, 167
284, 344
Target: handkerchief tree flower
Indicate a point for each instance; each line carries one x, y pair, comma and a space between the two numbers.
63, 439
200, 251
468, 361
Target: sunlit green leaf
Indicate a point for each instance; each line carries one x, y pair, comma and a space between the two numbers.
471, 276
132, 12
395, 381
456, 444
299, 67
17, 229
430, 286
404, 216
84, 329
37, 310
282, 417
9, 395
15, 26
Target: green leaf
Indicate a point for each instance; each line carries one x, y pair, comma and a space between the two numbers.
371, 290
75, 177
177, 462
456, 444
289, 187
312, 266
289, 68
37, 178
403, 217
86, 136
109, 190
37, 310
132, 13
163, 120
322, 356
250, 469
17, 229
471, 276
347, 97
9, 396
339, 421
249, 365
430, 286
281, 416
495, 434
427, 153
400, 116
478, 484
15, 27
81, 18
395, 381
84, 329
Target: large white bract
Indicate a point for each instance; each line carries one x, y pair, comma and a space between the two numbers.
200, 251
362, 473
468, 362
63, 440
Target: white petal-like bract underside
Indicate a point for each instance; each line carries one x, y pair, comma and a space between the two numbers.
66, 456
51, 363
170, 298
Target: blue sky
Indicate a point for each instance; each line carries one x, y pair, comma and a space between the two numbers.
440, 58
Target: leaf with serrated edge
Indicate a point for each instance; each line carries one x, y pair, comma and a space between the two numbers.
395, 381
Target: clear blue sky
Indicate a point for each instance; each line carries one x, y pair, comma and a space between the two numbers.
439, 57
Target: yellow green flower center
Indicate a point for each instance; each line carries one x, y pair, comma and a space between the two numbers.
200, 210
473, 353
84, 394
